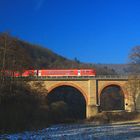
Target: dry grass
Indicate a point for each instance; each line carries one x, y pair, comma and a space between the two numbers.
116, 116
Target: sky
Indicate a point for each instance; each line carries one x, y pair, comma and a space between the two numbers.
93, 31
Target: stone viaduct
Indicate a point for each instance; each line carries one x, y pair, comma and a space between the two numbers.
90, 87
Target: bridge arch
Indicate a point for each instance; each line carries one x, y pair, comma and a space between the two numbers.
121, 93
71, 85
72, 96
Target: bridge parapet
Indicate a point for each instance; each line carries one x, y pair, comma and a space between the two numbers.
117, 77
98, 77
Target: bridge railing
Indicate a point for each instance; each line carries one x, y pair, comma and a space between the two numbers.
112, 77
70, 77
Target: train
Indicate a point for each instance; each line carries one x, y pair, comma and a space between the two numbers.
54, 72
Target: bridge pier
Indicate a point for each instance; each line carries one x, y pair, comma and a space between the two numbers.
92, 110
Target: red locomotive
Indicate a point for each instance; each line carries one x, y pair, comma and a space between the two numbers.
56, 72
51, 73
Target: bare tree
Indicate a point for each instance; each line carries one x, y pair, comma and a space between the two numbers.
13, 58
135, 60
3, 52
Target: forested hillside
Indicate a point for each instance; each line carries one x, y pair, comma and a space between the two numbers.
123, 69
43, 58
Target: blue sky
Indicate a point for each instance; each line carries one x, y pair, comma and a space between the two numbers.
96, 31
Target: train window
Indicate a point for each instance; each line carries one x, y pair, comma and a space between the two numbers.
79, 72
35, 72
